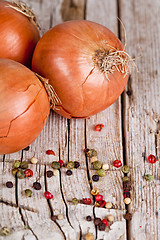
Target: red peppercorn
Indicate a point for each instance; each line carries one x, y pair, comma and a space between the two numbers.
102, 203
117, 163
28, 173
152, 159
99, 127
61, 163
48, 195
86, 201
50, 152
105, 222
127, 194
98, 197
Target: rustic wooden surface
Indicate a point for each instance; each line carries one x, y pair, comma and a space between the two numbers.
131, 133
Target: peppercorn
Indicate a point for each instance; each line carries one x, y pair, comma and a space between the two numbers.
99, 127
101, 226
108, 205
54, 218
9, 184
127, 200
55, 165
16, 164
70, 165
24, 165
20, 174
95, 191
148, 177
14, 171
97, 165
61, 163
89, 236
93, 159
75, 201
90, 152
98, 197
105, 166
60, 217
110, 218
117, 163
49, 173
97, 221
102, 203
5, 231
95, 178
127, 186
96, 204
125, 169
89, 218
125, 178
86, 201
127, 194
36, 185
55, 172
105, 222
69, 172
27, 148
34, 160
152, 159
128, 216
101, 172
76, 164
28, 192
50, 152
28, 173
48, 195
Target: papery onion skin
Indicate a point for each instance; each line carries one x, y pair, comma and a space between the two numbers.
24, 106
18, 35
65, 56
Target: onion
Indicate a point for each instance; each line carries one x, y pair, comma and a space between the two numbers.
18, 33
24, 106
85, 63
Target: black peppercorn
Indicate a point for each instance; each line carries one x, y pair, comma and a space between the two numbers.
24, 165
76, 164
54, 218
69, 172
89, 218
127, 186
101, 226
27, 148
9, 184
95, 178
36, 185
128, 216
49, 173
97, 221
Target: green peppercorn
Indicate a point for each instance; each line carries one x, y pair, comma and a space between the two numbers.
97, 165
148, 177
125, 169
28, 192
24, 165
101, 172
55, 165
16, 164
75, 201
5, 231
91, 153
70, 165
124, 179
14, 171
20, 174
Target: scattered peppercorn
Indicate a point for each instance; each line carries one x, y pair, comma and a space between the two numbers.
127, 201
95, 191
14, 171
101, 226
28, 173
61, 163
50, 152
125, 178
128, 216
16, 164
24, 165
20, 174
97, 221
89, 236
89, 218
27, 148
48, 195
148, 177
54, 218
9, 184
105, 166
110, 218
34, 160
127, 194
105, 222
125, 169
60, 217
75, 201
93, 159
117, 163
37, 186
76, 164
95, 178
55, 165
90, 152
70, 165
97, 165
69, 172
126, 186
152, 159
86, 201
55, 172
101, 172
98, 197
5, 231
49, 173
108, 205
99, 127
102, 203
28, 193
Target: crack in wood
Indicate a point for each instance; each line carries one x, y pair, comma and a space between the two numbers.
4, 156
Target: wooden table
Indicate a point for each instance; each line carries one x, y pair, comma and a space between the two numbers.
131, 133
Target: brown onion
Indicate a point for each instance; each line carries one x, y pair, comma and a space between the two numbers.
24, 106
85, 63
18, 34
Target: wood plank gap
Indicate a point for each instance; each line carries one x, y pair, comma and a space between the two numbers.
22, 156
85, 8
50, 206
51, 20
4, 156
68, 124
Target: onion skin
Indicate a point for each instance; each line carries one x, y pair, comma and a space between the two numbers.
64, 55
24, 106
18, 35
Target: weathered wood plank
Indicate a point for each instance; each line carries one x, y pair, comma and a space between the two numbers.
142, 114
